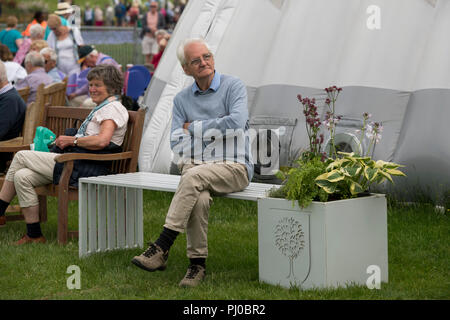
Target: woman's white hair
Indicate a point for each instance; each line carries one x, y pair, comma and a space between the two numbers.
180, 50
36, 31
50, 52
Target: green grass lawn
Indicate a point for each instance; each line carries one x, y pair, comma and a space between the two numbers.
418, 260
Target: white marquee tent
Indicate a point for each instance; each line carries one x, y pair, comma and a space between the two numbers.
392, 59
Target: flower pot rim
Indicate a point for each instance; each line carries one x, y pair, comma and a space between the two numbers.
371, 195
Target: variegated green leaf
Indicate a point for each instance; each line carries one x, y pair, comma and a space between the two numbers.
326, 185
395, 172
386, 175
370, 173
355, 188
351, 171
335, 176
335, 164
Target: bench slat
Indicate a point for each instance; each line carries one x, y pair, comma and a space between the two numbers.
169, 183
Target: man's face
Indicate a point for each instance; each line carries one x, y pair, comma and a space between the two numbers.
154, 7
199, 61
91, 60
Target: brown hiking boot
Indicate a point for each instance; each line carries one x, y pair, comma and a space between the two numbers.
194, 275
152, 259
2, 221
26, 239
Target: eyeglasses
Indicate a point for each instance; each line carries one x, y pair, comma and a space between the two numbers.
196, 62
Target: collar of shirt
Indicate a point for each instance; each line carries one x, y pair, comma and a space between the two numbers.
6, 88
214, 86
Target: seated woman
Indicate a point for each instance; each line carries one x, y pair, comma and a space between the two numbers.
102, 131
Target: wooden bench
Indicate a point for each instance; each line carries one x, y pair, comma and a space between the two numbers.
110, 208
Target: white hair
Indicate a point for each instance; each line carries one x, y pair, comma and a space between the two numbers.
36, 31
93, 53
3, 74
35, 59
161, 32
180, 50
50, 52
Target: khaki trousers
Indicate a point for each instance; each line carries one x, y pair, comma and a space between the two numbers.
189, 209
30, 169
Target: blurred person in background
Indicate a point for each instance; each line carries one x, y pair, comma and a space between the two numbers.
133, 13
65, 42
34, 64
120, 11
162, 37
151, 22
14, 71
64, 10
50, 58
38, 45
88, 15
98, 16
39, 18
11, 36
109, 15
36, 32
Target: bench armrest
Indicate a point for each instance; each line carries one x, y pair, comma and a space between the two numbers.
12, 142
12, 148
65, 157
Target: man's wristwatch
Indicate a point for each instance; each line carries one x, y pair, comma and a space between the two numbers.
75, 142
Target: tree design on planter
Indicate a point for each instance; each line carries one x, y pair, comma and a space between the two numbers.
289, 239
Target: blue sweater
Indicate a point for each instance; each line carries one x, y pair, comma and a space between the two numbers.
219, 123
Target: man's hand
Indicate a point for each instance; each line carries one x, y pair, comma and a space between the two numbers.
64, 141
71, 96
185, 127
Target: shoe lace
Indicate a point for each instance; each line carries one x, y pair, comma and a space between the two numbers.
192, 272
152, 249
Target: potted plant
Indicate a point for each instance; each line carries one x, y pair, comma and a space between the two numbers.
322, 227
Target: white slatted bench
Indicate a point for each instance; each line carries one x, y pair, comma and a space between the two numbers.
110, 208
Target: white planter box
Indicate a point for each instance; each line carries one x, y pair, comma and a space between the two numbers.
327, 244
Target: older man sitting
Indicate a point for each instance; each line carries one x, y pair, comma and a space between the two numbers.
34, 64
51, 58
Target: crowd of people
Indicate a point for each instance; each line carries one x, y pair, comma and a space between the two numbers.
129, 13
51, 49
213, 100
56, 47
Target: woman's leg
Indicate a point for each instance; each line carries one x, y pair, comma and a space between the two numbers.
28, 170
8, 191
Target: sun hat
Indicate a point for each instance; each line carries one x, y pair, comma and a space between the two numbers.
63, 8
